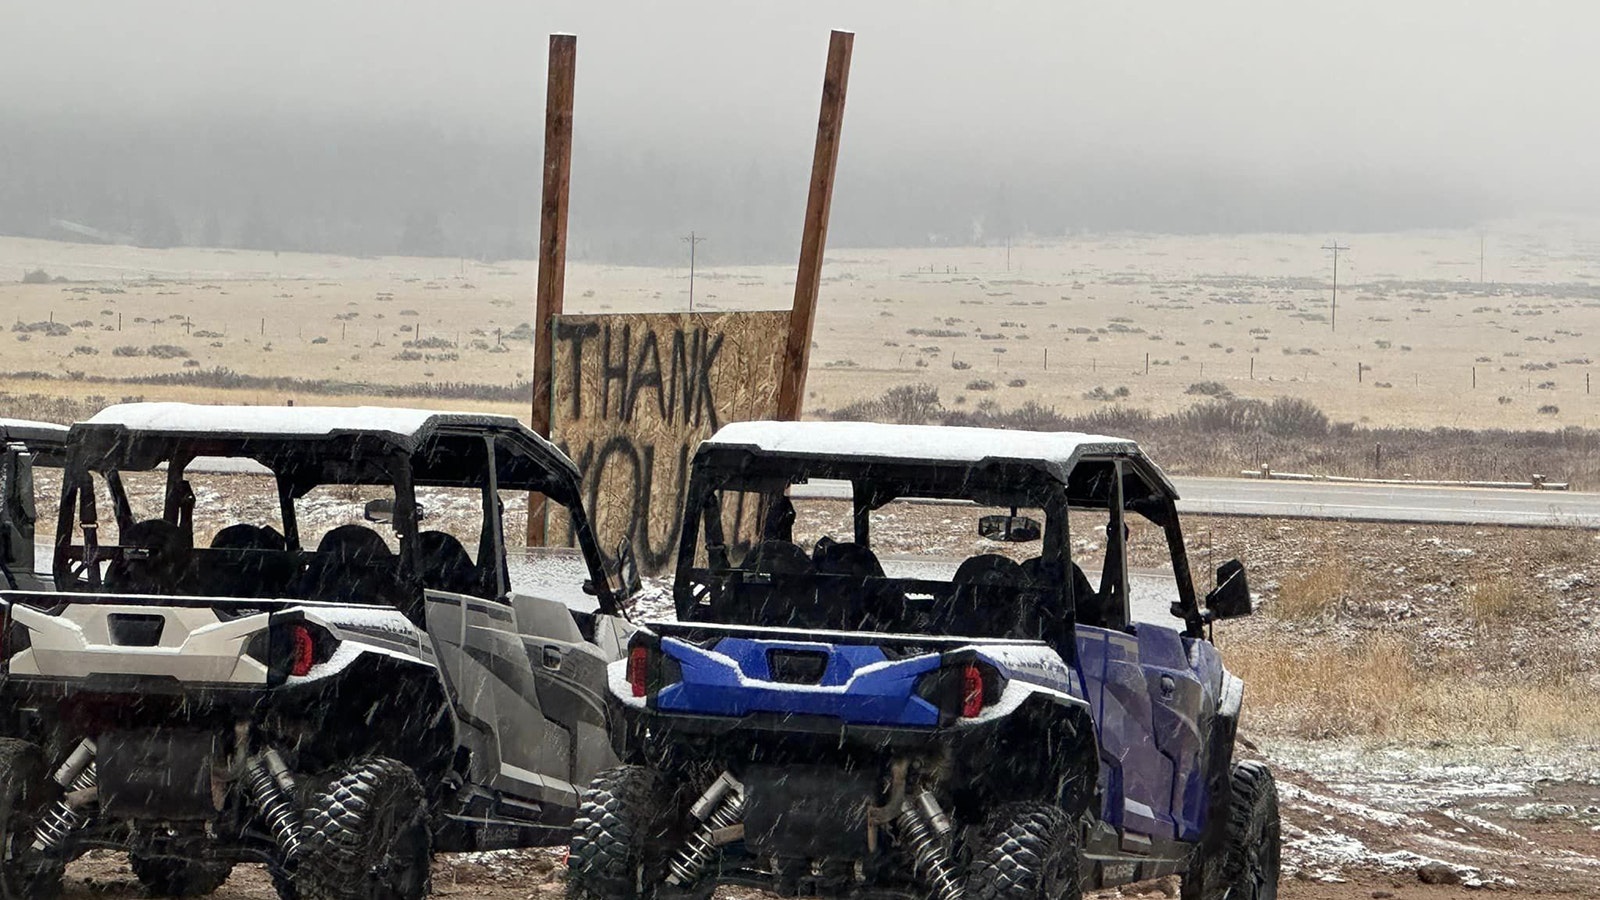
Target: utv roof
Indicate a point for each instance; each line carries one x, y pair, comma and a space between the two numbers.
37, 435
288, 421
1057, 452
321, 444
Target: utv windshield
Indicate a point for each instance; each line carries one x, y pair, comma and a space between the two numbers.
759, 551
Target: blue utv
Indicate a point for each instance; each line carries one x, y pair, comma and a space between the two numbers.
828, 717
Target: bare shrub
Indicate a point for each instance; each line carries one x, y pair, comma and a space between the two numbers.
37, 276
128, 350
1292, 417
168, 351
1210, 389
980, 384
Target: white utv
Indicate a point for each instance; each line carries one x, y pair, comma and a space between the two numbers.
210, 683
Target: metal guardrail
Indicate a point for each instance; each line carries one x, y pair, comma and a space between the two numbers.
1534, 483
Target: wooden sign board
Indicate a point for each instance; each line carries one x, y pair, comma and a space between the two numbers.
632, 395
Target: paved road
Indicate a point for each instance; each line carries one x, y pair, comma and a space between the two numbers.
1388, 503
1361, 502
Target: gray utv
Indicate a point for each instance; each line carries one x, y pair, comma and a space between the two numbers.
24, 446
211, 682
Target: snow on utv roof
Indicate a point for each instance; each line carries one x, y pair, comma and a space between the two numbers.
33, 433
1058, 452
140, 435
288, 421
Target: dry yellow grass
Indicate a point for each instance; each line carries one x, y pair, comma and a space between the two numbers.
1501, 599
1244, 311
1376, 690
1313, 593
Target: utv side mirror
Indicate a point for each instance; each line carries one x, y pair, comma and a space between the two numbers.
1010, 529
628, 569
1230, 599
380, 511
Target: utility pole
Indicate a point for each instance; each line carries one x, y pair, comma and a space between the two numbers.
691, 239
1333, 316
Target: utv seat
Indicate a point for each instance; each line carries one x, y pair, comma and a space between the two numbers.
445, 564
1054, 605
245, 561
353, 565
851, 590
779, 589
155, 559
984, 602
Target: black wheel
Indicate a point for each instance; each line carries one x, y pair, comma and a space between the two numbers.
1028, 851
25, 792
165, 876
1244, 865
367, 836
617, 840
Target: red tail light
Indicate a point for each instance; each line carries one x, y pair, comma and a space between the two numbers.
971, 691
303, 651
638, 669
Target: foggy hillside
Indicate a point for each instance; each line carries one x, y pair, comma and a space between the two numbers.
414, 189
371, 128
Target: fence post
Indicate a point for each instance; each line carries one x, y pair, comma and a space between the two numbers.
1147, 364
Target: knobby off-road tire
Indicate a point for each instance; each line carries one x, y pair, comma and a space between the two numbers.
168, 877
1245, 864
25, 791
367, 836
1028, 851
617, 848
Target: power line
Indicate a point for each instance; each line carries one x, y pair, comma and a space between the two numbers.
1333, 316
691, 239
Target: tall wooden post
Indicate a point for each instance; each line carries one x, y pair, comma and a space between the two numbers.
552, 241
814, 234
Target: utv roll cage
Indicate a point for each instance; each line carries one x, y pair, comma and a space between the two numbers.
24, 446
302, 449
988, 598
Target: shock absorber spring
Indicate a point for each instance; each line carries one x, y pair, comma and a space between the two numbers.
922, 827
78, 780
720, 808
271, 789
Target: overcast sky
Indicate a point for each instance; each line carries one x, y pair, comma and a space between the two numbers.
1489, 99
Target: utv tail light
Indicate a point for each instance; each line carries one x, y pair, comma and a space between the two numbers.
303, 655
971, 691
649, 669
961, 689
639, 669
291, 648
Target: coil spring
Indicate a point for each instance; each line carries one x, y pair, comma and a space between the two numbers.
689, 862
275, 807
929, 858
62, 819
